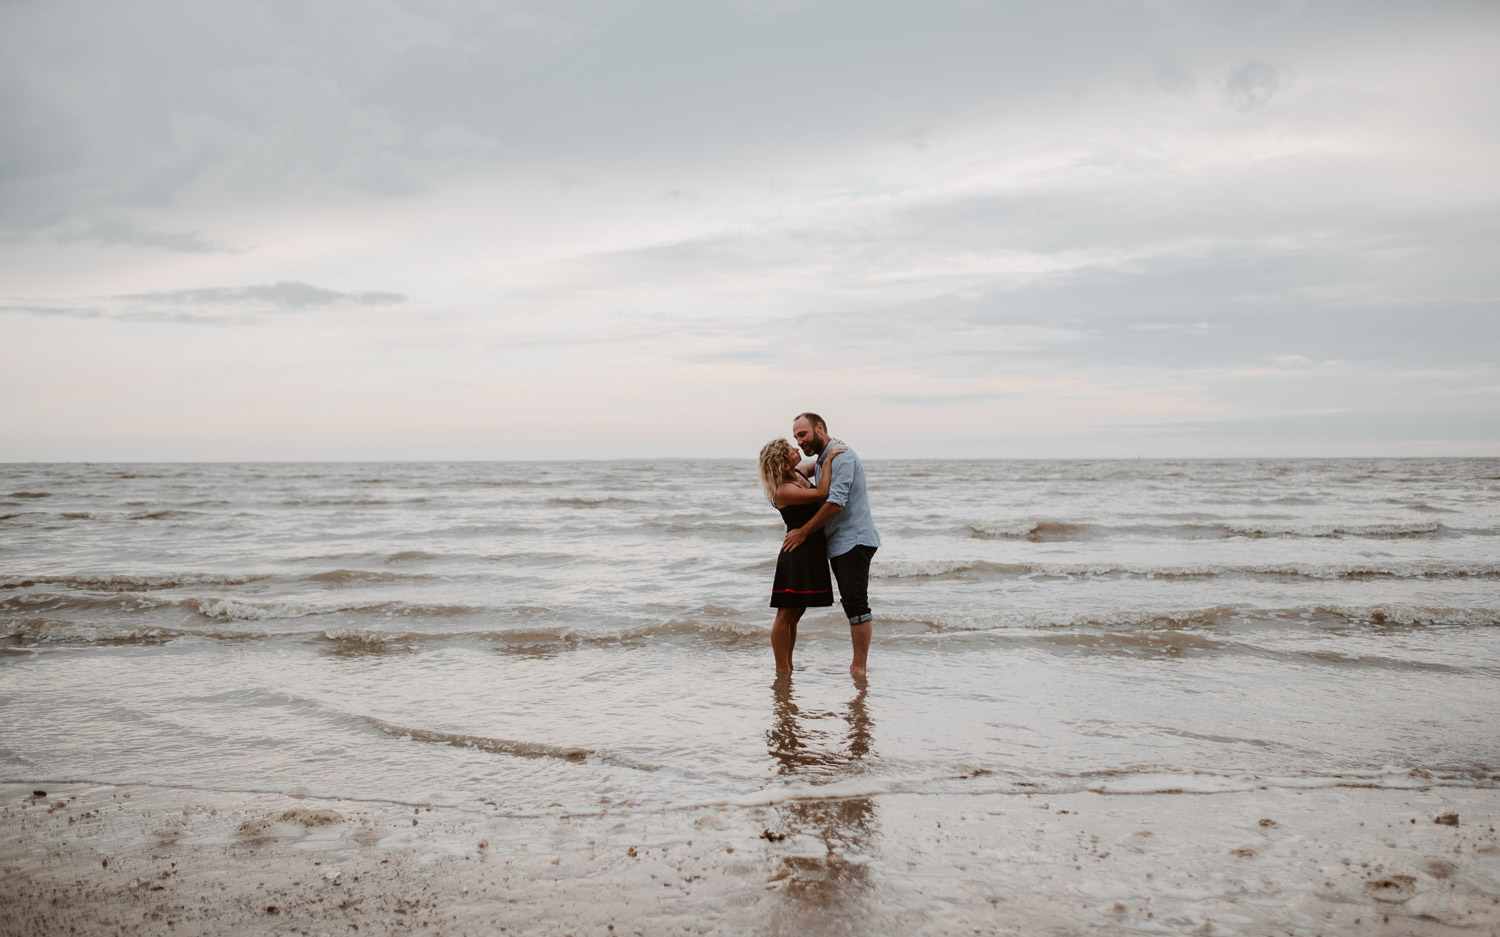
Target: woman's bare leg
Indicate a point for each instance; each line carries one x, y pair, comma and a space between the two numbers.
784, 637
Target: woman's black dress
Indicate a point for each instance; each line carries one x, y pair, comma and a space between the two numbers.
802, 578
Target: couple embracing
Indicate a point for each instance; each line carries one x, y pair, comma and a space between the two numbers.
828, 525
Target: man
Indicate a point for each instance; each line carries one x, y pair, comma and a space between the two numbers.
852, 539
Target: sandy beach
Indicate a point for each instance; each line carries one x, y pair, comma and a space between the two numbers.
93, 859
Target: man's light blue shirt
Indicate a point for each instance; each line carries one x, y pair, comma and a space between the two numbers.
853, 526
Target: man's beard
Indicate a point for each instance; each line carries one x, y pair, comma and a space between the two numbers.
813, 446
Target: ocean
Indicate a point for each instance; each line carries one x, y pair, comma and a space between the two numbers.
553, 637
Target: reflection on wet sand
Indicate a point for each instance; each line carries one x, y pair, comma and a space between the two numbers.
834, 890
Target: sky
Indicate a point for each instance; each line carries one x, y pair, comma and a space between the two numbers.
466, 229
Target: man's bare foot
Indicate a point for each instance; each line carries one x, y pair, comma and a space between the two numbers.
859, 636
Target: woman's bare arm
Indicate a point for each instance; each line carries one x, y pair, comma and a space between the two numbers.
789, 493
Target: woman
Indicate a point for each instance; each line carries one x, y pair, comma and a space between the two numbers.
802, 579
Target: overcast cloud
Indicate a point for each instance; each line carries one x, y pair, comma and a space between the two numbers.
259, 229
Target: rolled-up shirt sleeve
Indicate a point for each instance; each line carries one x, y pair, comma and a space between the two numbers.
843, 480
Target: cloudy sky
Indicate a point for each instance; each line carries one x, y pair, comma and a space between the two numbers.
465, 229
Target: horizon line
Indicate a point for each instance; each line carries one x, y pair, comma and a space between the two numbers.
665, 458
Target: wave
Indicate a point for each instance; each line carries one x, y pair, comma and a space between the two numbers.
76, 602
591, 502
523, 640
1165, 634
157, 515
1319, 615
1055, 531
409, 556
500, 483
720, 630
1411, 616
243, 610
1369, 531
29, 494
514, 748
941, 569
43, 630
1214, 616
1219, 620
352, 642
1170, 644
1342, 659
699, 527
539, 558
129, 583
231, 609
349, 502
365, 639
971, 569
1036, 531
1430, 509
344, 577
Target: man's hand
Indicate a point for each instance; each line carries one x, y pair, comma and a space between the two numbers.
793, 540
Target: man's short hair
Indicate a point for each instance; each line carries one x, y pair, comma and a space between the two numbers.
813, 420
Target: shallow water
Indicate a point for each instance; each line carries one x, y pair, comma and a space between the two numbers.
523, 637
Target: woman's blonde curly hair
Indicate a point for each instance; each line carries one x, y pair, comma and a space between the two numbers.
773, 466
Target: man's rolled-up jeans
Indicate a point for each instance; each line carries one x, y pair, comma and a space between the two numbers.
852, 570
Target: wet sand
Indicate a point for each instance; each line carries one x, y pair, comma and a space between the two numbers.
93, 859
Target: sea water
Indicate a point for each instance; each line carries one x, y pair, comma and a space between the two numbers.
571, 636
